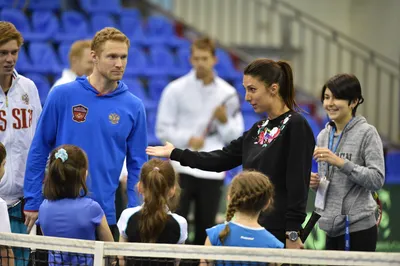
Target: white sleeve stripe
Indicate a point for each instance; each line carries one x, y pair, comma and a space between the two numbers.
183, 226
123, 220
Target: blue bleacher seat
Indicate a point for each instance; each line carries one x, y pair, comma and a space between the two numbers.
138, 62
315, 126
393, 167
44, 58
12, 3
325, 121
160, 30
183, 44
23, 63
45, 26
101, 6
18, 18
135, 86
73, 27
249, 119
100, 21
183, 59
246, 107
139, 37
132, 13
44, 5
163, 62
63, 53
240, 89
131, 25
306, 108
42, 84
129, 18
151, 128
156, 86
225, 67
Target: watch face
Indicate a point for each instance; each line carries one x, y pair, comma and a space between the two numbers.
293, 236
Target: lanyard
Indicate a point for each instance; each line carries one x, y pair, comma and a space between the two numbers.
332, 133
330, 142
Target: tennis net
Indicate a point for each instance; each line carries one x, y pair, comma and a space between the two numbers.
61, 251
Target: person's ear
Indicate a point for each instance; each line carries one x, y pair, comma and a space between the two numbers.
353, 103
273, 89
94, 57
172, 192
139, 187
267, 205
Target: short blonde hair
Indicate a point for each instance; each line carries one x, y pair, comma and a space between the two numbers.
9, 32
77, 48
108, 34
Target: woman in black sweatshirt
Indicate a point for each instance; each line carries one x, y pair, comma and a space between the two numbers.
281, 147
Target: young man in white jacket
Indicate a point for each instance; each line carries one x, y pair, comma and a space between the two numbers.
200, 111
20, 109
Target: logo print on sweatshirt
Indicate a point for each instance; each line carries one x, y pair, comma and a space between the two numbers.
79, 113
114, 118
25, 98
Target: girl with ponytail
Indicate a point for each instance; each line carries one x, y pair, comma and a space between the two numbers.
66, 211
154, 221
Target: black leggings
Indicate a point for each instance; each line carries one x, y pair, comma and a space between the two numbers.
364, 240
206, 194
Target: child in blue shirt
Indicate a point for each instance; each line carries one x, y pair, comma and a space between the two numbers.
66, 212
250, 193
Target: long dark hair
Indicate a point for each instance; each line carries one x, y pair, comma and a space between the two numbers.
270, 72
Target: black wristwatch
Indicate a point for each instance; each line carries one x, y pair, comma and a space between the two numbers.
292, 235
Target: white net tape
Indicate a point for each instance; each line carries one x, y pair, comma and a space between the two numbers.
245, 255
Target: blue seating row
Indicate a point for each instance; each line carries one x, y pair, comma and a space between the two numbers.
88, 6
45, 25
42, 58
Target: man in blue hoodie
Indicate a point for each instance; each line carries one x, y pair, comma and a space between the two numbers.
98, 114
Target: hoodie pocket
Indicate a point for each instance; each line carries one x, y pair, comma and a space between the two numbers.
333, 226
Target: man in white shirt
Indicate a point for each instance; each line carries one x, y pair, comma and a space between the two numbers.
199, 111
80, 62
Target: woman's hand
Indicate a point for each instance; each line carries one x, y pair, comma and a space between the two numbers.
314, 181
294, 244
326, 155
160, 151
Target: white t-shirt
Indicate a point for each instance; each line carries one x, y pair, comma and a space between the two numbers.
4, 219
